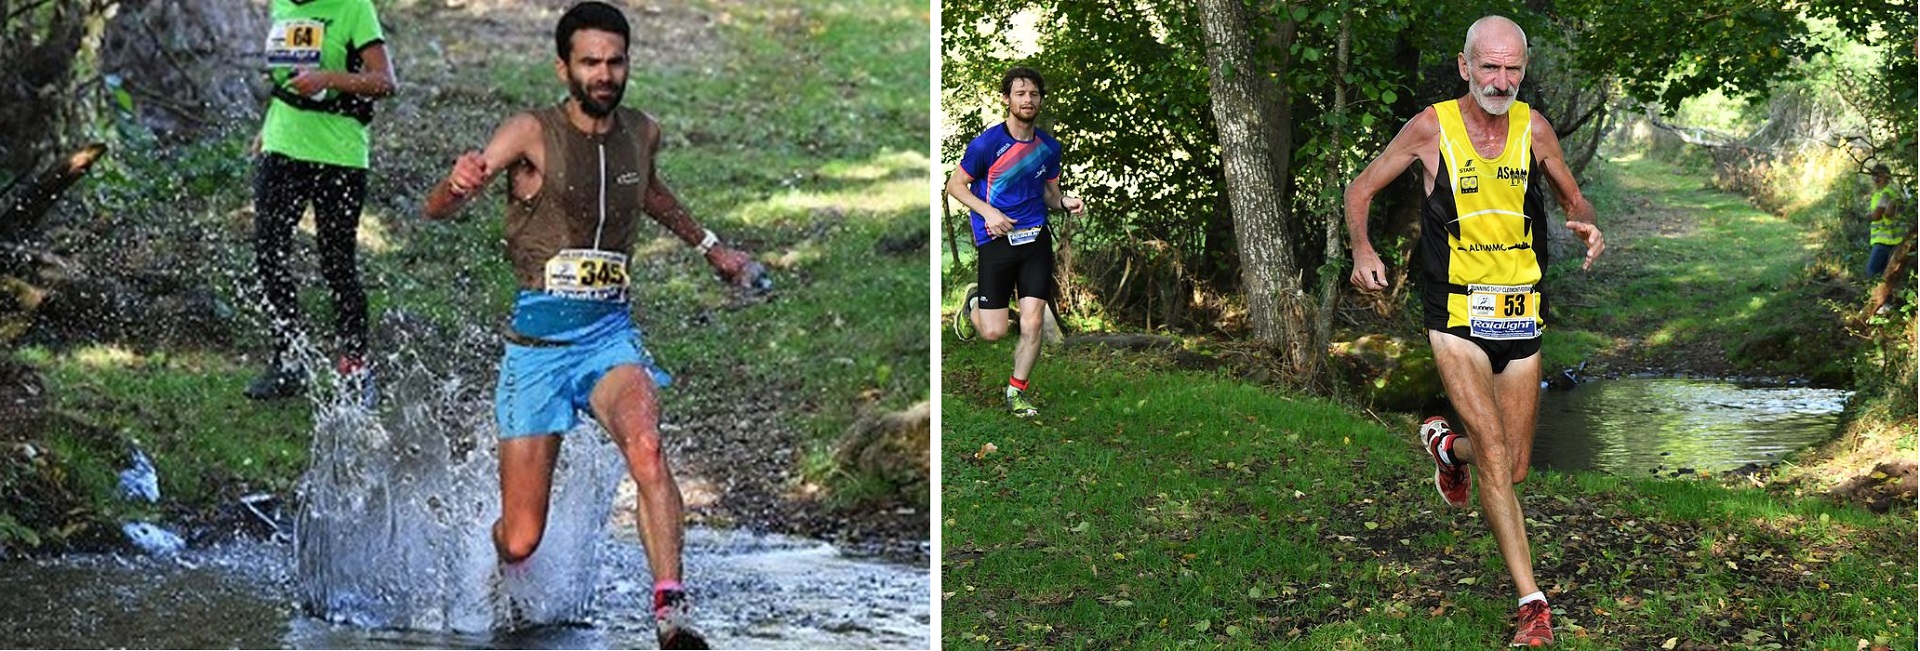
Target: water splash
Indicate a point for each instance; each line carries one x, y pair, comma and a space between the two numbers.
396, 510
140, 481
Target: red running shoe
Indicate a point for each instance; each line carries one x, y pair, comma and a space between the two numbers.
1453, 481
1535, 629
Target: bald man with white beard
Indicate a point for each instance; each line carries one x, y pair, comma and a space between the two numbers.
1482, 253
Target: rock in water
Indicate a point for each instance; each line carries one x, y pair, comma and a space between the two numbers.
153, 539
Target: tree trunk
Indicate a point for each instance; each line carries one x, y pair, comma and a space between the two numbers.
946, 217
1277, 308
1329, 278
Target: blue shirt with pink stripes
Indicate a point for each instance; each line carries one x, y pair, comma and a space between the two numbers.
1011, 175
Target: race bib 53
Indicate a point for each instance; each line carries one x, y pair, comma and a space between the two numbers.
1503, 311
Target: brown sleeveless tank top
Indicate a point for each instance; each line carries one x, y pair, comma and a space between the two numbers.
592, 192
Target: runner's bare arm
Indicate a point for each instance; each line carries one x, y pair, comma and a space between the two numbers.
661, 204
1059, 201
1580, 216
997, 223
1418, 135
473, 170
664, 207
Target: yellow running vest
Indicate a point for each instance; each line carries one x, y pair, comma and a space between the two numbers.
1887, 229
1482, 239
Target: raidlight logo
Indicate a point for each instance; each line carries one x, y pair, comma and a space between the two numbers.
1493, 328
628, 178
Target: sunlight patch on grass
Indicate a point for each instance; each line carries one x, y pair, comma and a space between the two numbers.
372, 236
107, 356
882, 165
873, 202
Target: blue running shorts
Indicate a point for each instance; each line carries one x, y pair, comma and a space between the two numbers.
543, 389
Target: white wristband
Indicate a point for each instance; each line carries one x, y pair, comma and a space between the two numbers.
707, 243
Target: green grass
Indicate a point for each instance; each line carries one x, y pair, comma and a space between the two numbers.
1153, 508
1693, 271
209, 444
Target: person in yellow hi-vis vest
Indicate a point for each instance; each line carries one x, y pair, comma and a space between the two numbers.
1890, 217
1482, 250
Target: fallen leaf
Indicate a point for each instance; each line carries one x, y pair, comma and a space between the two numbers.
986, 450
1080, 528
1123, 604
1202, 625
1371, 525
1671, 642
1468, 581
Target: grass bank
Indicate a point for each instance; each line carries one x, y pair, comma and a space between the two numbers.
1696, 279
1149, 507
796, 130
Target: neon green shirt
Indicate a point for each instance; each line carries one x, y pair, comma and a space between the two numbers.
317, 35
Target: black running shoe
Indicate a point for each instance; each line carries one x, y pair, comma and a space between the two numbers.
277, 382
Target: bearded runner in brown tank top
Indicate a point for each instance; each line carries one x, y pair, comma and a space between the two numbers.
580, 175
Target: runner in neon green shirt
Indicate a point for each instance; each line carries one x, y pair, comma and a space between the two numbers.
326, 61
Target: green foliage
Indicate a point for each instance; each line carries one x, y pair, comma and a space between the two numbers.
1127, 97
1891, 89
1665, 52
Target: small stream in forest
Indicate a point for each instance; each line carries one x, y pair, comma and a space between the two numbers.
1662, 425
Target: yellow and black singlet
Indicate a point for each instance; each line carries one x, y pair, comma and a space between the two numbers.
1483, 238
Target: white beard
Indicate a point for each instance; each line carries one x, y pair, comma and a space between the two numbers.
1494, 105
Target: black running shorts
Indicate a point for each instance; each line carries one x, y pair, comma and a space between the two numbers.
1004, 266
1499, 352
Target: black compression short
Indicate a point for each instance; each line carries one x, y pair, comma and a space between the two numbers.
1499, 351
1004, 266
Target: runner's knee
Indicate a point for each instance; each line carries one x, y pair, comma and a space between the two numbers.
643, 455
1031, 321
993, 331
516, 543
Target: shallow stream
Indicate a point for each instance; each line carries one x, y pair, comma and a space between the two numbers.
1658, 425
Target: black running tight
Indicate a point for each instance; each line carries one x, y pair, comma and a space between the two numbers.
282, 188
